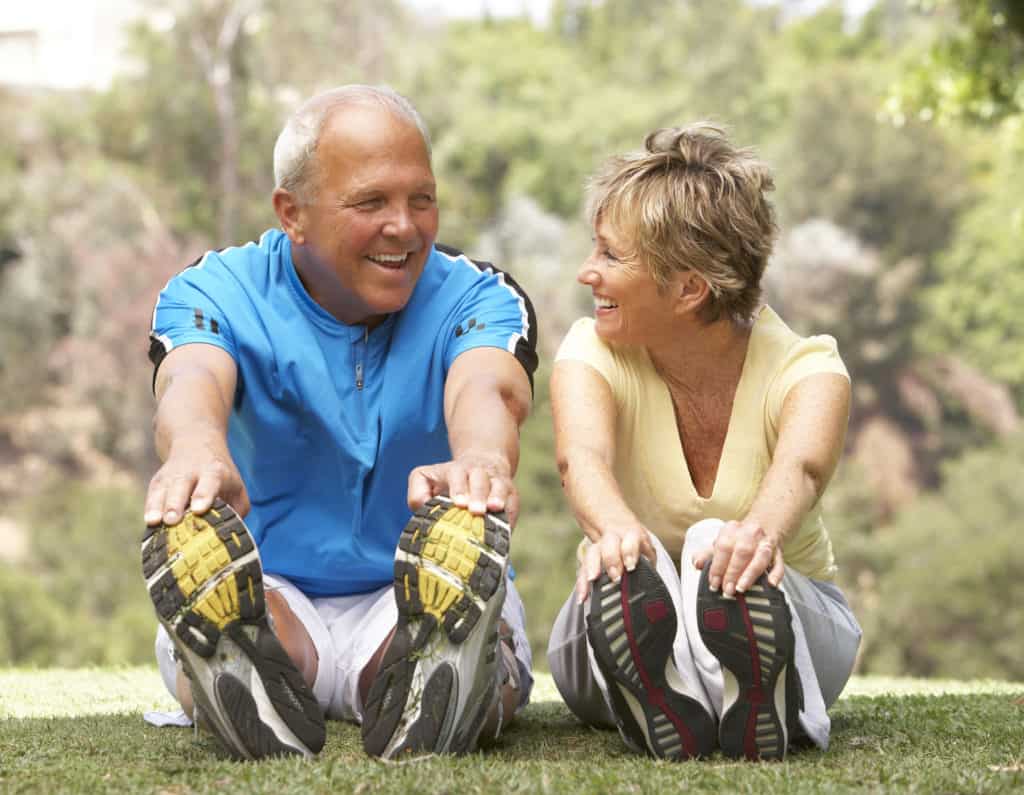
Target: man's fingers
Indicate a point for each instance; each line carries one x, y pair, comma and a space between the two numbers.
501, 488
700, 559
480, 484
512, 507
239, 500
179, 493
457, 481
153, 513
207, 488
421, 488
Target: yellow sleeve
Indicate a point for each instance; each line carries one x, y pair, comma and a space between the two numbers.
582, 344
809, 356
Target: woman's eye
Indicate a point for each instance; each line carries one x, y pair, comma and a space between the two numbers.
609, 256
423, 201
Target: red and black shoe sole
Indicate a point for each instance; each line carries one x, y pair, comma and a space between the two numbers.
632, 628
752, 637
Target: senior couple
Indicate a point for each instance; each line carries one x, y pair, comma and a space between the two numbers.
346, 369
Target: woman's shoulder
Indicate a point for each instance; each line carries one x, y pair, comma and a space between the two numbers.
778, 343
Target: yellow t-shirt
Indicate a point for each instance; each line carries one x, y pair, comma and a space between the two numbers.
650, 466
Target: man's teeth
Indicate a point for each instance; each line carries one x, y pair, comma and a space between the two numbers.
388, 258
604, 303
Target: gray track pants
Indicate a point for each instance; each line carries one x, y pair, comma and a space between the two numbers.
827, 638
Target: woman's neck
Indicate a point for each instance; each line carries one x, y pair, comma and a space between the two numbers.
702, 358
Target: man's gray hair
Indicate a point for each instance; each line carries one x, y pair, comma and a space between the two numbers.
295, 162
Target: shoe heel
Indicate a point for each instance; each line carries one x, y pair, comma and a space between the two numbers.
752, 637
632, 628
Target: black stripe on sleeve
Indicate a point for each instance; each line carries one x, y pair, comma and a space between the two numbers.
526, 347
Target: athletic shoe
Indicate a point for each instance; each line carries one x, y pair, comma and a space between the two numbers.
439, 677
205, 579
632, 627
751, 635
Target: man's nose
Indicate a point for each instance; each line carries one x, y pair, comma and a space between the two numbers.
399, 223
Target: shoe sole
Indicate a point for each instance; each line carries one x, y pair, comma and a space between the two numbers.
632, 628
450, 569
752, 637
204, 577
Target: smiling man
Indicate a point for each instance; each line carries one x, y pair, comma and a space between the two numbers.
322, 383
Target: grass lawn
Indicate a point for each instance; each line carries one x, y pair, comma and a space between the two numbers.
82, 731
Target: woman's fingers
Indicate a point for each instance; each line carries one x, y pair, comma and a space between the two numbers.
764, 554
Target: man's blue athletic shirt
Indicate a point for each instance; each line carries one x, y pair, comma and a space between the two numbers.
328, 418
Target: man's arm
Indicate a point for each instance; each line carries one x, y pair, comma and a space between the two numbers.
486, 398
812, 430
195, 387
584, 414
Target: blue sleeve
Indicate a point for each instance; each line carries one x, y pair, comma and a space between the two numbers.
191, 309
495, 313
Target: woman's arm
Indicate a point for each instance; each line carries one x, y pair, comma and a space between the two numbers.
812, 429
584, 416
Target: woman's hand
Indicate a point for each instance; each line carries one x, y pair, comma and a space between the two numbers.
615, 552
742, 552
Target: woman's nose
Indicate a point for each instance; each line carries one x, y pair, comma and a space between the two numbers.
586, 273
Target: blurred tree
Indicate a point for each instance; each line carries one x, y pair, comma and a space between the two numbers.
974, 69
949, 600
974, 306
212, 84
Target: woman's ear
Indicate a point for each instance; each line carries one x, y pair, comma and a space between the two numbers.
289, 213
692, 292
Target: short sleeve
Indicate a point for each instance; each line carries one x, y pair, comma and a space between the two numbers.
582, 344
495, 313
809, 356
190, 309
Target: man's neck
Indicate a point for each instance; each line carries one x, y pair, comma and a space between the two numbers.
326, 291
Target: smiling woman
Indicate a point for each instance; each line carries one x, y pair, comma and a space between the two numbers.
695, 434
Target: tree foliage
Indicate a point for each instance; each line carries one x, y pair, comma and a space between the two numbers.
900, 237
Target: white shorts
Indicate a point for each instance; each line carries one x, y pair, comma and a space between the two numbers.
346, 631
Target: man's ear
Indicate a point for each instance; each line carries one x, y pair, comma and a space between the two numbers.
692, 292
290, 214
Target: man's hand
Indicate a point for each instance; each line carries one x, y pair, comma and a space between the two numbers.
742, 552
614, 553
477, 481
197, 470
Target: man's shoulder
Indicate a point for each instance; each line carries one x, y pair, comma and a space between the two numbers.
241, 259
457, 270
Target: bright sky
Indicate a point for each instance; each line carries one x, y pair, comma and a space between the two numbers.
538, 9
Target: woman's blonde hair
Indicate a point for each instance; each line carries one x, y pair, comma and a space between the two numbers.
692, 200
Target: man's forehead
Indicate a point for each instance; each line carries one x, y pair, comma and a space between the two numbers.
365, 125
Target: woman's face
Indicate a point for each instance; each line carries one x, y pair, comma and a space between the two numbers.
629, 309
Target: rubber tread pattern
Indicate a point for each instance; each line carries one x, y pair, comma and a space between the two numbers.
632, 644
450, 539
210, 547
752, 726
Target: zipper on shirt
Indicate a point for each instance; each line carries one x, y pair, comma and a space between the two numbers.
359, 364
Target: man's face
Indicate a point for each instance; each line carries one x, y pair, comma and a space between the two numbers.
369, 231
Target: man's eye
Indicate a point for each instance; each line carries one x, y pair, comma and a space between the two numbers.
370, 204
423, 201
